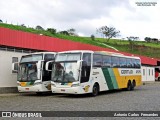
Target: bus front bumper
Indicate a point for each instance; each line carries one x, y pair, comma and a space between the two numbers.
33, 88
67, 90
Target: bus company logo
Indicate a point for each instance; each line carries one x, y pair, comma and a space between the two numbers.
138, 71
86, 88
6, 114
126, 71
48, 86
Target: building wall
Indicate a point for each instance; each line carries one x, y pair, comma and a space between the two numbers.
148, 73
7, 78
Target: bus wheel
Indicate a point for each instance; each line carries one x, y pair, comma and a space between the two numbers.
133, 84
95, 90
39, 93
129, 86
158, 78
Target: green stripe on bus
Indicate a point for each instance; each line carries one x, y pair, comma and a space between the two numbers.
108, 78
113, 78
30, 83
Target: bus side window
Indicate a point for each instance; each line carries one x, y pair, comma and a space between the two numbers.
86, 67
106, 61
134, 63
138, 64
97, 60
129, 63
122, 62
115, 61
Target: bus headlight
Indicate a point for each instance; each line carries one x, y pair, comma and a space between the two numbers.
18, 84
37, 83
75, 85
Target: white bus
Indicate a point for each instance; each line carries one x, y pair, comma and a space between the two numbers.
32, 76
80, 72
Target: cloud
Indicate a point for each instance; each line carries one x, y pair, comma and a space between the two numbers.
84, 15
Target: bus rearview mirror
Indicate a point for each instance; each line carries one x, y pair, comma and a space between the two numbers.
48, 64
79, 64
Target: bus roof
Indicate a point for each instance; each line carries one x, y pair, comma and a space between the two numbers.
100, 52
77, 51
41, 53
115, 54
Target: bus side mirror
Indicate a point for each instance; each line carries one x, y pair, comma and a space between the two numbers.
15, 67
79, 64
48, 64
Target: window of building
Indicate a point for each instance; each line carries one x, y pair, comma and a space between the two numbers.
143, 72
152, 72
14, 60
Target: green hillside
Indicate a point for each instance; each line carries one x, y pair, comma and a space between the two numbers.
137, 47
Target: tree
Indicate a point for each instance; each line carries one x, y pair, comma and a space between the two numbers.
131, 40
38, 27
147, 39
23, 25
109, 32
1, 21
155, 40
72, 31
92, 37
51, 30
64, 32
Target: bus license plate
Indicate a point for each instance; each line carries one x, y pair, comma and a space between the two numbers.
27, 88
63, 90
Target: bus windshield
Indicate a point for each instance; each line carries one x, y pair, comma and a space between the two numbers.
31, 58
27, 72
65, 72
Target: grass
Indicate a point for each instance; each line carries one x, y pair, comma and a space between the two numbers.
139, 47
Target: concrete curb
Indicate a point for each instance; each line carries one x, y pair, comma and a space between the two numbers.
150, 82
8, 90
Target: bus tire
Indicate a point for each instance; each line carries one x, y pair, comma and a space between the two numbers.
133, 84
158, 78
129, 86
95, 90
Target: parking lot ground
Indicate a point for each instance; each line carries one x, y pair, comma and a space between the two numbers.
143, 98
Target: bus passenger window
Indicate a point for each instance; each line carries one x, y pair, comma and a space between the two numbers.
115, 62
134, 63
107, 61
138, 64
122, 62
129, 63
97, 60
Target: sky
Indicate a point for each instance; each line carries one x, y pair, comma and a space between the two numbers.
85, 16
